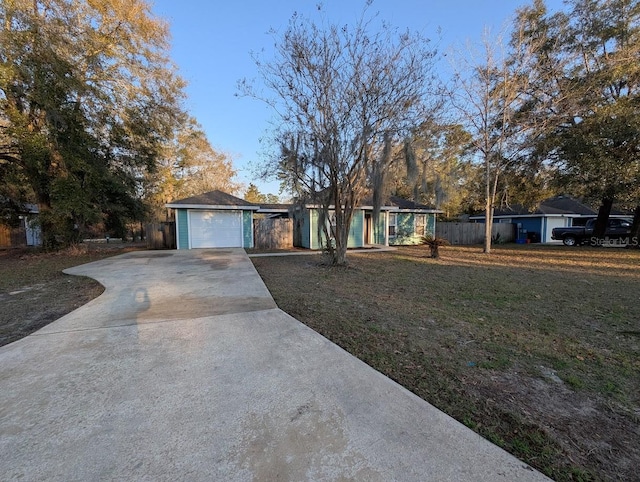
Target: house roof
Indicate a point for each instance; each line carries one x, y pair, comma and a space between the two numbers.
556, 206
274, 208
406, 204
395, 203
221, 200
565, 204
213, 199
19, 207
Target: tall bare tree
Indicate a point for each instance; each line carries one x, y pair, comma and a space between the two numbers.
343, 95
489, 94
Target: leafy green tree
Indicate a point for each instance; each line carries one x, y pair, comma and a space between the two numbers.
88, 99
187, 165
253, 194
526, 184
437, 170
587, 80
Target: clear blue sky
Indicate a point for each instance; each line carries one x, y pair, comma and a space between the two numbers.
212, 41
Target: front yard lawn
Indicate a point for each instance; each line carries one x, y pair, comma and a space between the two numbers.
535, 347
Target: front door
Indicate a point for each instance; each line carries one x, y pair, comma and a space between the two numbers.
368, 224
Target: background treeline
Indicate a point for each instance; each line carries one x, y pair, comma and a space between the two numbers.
92, 126
94, 131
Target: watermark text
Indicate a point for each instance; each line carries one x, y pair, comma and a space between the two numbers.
621, 241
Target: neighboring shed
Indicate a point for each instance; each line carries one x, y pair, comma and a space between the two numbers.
27, 233
214, 220
556, 212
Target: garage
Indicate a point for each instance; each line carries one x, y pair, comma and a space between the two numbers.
213, 219
215, 229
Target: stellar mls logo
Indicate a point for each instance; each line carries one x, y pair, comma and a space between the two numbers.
624, 241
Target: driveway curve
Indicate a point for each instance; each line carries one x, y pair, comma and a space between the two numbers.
184, 369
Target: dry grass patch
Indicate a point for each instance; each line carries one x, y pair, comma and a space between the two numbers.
534, 347
34, 291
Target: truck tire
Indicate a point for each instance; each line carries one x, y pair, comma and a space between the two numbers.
570, 240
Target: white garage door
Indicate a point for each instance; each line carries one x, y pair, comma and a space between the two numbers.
215, 229
554, 223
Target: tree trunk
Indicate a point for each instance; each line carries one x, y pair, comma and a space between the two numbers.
343, 225
47, 228
635, 229
340, 256
488, 210
488, 221
600, 227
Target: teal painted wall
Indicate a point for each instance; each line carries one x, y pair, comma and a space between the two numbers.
430, 229
301, 228
306, 229
406, 229
380, 232
356, 231
313, 229
247, 229
182, 223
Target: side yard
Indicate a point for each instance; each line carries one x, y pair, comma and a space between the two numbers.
34, 291
536, 347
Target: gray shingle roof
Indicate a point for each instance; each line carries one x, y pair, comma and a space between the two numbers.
214, 198
275, 207
555, 205
400, 203
566, 204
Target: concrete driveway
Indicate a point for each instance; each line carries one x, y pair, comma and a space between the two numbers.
184, 369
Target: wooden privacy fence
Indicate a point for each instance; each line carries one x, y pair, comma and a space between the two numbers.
473, 233
273, 233
12, 237
161, 235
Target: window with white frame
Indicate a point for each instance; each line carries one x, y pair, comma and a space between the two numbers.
393, 223
420, 224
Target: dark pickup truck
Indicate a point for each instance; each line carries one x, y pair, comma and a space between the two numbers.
576, 235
